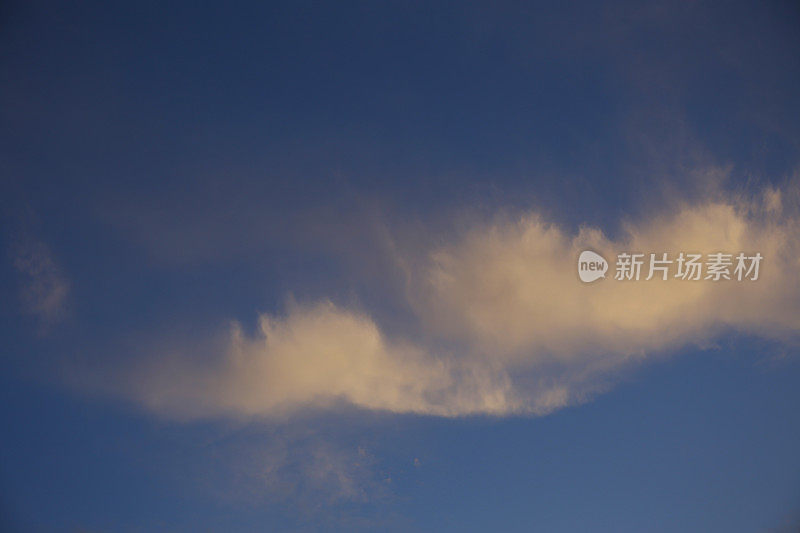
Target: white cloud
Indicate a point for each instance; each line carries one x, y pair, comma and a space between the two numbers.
511, 288
522, 333
315, 356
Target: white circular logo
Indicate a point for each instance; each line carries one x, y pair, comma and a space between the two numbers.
591, 266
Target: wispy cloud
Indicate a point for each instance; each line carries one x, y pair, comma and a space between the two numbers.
504, 325
316, 356
44, 289
315, 471
291, 464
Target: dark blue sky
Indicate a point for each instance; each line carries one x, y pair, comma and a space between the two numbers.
179, 166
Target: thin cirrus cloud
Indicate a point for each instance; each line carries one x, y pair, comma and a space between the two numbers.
290, 464
504, 324
44, 289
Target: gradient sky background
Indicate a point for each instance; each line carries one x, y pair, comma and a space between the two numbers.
172, 167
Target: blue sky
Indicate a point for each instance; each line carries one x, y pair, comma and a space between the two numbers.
300, 267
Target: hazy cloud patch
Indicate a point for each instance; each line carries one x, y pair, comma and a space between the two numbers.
44, 289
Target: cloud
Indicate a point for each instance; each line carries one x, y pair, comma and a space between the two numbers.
319, 355
311, 473
44, 288
287, 463
511, 288
503, 323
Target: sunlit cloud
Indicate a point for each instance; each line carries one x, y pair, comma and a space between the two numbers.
504, 324
317, 356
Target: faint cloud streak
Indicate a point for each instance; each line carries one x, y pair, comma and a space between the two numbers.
44, 289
